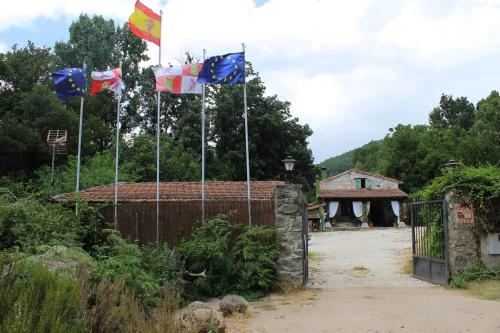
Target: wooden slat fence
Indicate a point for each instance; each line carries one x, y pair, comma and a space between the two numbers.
137, 220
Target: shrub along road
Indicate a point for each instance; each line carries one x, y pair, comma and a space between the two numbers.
357, 285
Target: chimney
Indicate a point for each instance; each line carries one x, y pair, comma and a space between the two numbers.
316, 186
323, 173
318, 179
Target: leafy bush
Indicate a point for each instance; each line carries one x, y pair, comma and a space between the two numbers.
145, 273
256, 251
431, 244
27, 224
33, 299
209, 249
236, 259
480, 186
125, 260
92, 229
163, 264
476, 272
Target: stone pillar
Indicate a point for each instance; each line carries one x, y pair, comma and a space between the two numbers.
364, 216
290, 216
462, 245
401, 223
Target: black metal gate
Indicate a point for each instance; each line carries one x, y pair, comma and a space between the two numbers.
430, 241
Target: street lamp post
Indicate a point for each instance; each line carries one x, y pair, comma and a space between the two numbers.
451, 164
289, 165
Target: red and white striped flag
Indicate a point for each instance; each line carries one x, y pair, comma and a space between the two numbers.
178, 80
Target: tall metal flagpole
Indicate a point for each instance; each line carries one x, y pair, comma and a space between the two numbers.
118, 97
249, 198
203, 149
79, 146
158, 151
53, 163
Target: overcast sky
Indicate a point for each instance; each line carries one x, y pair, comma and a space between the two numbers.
351, 69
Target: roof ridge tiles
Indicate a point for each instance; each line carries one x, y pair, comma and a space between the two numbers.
131, 191
361, 171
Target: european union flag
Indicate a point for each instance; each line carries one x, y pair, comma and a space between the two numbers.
70, 82
225, 69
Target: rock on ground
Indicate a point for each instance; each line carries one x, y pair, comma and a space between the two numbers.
233, 304
62, 259
199, 317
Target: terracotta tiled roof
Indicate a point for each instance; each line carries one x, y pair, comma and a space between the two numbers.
363, 172
175, 191
362, 193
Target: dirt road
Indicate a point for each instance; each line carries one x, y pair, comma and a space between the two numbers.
357, 286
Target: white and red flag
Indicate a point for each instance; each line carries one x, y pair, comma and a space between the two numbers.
111, 80
178, 80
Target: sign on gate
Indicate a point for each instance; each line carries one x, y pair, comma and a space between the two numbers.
463, 213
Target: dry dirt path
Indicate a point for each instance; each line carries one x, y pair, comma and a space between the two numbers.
356, 285
365, 258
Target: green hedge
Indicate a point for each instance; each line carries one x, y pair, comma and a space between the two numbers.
237, 259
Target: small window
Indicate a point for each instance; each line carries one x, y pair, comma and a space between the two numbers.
360, 182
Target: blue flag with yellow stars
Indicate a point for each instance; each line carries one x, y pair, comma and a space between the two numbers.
70, 82
224, 69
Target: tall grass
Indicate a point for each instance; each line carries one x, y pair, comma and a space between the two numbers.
34, 299
110, 306
37, 300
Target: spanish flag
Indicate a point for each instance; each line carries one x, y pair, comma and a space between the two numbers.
145, 24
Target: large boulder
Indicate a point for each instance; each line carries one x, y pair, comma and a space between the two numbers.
233, 304
199, 317
62, 259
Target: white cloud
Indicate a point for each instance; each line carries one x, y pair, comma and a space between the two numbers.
3, 47
458, 33
351, 69
21, 13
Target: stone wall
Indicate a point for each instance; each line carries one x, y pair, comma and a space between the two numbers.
462, 244
290, 218
347, 181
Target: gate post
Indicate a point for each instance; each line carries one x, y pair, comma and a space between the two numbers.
462, 245
289, 213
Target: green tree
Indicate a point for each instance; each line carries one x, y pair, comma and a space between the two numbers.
457, 112
27, 108
273, 133
20, 146
95, 170
23, 68
402, 153
368, 157
101, 45
482, 144
176, 163
338, 164
179, 114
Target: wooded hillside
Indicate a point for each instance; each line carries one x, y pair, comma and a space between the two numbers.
415, 154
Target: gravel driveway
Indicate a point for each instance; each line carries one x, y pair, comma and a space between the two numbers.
356, 285
364, 258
